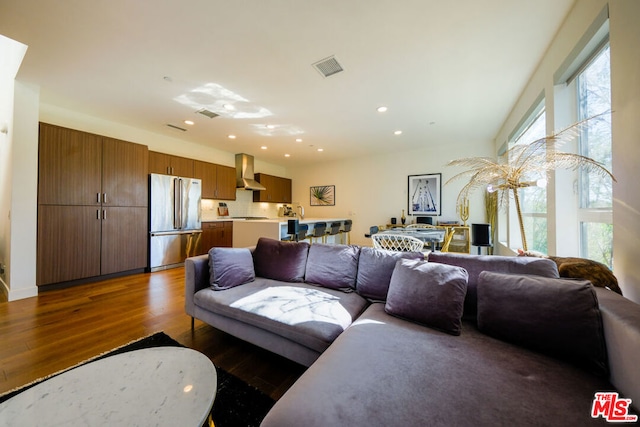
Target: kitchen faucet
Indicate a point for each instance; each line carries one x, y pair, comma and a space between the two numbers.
301, 210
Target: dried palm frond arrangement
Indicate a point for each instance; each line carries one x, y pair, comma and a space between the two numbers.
521, 162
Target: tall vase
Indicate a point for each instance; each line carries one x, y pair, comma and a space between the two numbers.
403, 218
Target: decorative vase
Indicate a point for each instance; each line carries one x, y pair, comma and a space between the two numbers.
403, 218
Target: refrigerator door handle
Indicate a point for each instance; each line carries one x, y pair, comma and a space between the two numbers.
176, 203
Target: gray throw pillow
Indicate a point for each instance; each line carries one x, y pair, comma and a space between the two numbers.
560, 317
428, 293
332, 266
278, 260
230, 267
375, 267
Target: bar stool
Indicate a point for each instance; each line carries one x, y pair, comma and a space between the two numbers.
318, 231
346, 230
334, 229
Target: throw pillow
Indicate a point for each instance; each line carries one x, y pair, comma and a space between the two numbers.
278, 260
229, 267
333, 266
375, 267
428, 293
559, 317
475, 264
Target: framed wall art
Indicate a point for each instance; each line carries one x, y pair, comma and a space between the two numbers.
425, 194
323, 195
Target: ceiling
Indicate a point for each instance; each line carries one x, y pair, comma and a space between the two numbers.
448, 71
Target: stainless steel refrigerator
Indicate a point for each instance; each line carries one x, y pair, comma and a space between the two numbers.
175, 220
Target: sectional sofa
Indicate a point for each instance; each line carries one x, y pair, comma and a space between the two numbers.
393, 339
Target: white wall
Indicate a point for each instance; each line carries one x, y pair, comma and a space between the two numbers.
371, 190
625, 76
625, 80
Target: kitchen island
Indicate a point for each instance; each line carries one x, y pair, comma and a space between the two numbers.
247, 232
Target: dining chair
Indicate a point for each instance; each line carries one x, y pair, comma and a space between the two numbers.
397, 242
372, 230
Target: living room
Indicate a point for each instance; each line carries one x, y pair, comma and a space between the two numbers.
371, 186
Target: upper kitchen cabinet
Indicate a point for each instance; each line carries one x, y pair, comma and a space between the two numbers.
70, 166
218, 182
170, 165
83, 169
278, 190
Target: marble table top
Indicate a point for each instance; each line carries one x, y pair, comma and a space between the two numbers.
161, 386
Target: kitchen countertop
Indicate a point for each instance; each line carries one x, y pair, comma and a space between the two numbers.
280, 220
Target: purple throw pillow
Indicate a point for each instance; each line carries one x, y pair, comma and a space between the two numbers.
333, 266
428, 293
375, 267
278, 260
475, 264
560, 317
230, 267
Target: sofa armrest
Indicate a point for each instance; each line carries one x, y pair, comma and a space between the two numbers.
196, 277
621, 321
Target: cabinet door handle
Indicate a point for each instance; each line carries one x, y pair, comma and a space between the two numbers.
98, 198
104, 214
98, 214
104, 197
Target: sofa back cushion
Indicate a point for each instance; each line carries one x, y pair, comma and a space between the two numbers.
559, 317
428, 293
476, 264
230, 267
375, 267
333, 266
278, 260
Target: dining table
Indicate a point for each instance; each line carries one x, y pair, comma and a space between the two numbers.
431, 236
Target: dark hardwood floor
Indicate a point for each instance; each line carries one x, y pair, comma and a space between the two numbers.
60, 328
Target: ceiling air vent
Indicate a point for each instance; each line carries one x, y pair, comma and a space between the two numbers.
207, 113
176, 127
328, 66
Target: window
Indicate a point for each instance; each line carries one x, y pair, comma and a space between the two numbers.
593, 86
533, 200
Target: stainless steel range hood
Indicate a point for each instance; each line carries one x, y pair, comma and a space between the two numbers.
244, 173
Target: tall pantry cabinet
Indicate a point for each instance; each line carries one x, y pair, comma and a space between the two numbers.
92, 205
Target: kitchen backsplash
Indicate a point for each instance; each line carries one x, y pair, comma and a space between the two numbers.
242, 206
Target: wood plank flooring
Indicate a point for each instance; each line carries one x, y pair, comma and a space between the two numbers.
60, 328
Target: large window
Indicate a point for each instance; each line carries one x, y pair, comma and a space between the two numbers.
593, 86
533, 200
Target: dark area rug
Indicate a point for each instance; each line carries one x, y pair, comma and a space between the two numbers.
237, 403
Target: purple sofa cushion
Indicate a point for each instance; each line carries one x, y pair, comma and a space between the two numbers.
559, 317
333, 266
229, 267
375, 267
278, 260
428, 293
475, 264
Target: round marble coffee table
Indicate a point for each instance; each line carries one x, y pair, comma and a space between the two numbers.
161, 386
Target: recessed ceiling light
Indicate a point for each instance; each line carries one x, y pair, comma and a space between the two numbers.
264, 147
382, 109
229, 107
398, 132
271, 126
287, 155
231, 136
320, 149
188, 122
298, 139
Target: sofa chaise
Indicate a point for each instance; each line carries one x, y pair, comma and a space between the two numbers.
393, 339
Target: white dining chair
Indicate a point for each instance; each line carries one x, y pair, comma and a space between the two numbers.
397, 242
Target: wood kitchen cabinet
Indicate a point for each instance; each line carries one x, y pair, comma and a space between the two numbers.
170, 165
92, 205
278, 190
218, 181
216, 234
